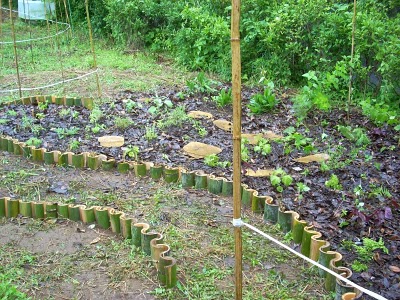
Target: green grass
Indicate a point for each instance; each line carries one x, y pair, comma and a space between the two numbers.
65, 58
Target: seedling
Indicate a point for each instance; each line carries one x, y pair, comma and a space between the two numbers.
201, 84
122, 123
160, 103
73, 145
64, 112
366, 253
356, 135
3, 121
244, 151
131, 105
40, 116
200, 129
95, 115
11, 113
301, 188
97, 128
224, 98
151, 133
333, 183
263, 147
261, 103
212, 160
132, 152
34, 142
279, 177
175, 117
42, 105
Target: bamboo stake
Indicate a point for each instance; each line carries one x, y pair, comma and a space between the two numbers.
68, 20
58, 46
1, 35
15, 47
352, 58
92, 46
237, 131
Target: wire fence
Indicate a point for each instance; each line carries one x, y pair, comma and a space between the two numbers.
239, 222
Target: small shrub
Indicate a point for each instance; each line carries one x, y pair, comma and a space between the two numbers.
122, 123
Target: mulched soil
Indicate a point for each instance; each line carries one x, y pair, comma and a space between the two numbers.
373, 169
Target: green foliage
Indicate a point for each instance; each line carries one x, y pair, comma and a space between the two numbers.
175, 117
366, 253
131, 105
212, 160
150, 133
160, 104
201, 84
333, 183
223, 98
73, 145
34, 142
8, 291
263, 147
279, 177
95, 115
356, 135
122, 122
244, 151
261, 103
132, 152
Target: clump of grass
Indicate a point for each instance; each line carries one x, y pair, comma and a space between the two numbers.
122, 123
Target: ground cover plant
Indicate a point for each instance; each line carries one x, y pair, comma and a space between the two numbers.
352, 197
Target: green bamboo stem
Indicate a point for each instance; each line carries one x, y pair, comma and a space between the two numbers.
247, 196
214, 184
126, 224
200, 180
74, 212
87, 214
123, 167
156, 172
171, 174
271, 211
62, 210
140, 169
137, 233
115, 220
12, 208
3, 207
187, 178
227, 188
50, 210
25, 208
38, 210
102, 217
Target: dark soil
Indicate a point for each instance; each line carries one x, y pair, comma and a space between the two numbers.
368, 174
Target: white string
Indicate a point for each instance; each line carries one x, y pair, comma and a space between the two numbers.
41, 38
368, 292
50, 85
237, 222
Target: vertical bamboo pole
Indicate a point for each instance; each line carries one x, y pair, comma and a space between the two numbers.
237, 132
15, 47
353, 33
92, 46
1, 35
58, 47
68, 19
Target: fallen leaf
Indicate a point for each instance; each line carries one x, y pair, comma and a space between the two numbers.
197, 114
259, 173
111, 141
200, 150
312, 158
92, 226
394, 269
95, 241
223, 124
253, 138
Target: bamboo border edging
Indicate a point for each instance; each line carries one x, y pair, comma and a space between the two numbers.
150, 242
311, 243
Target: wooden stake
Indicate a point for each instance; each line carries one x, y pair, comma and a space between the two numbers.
92, 46
237, 131
15, 48
352, 58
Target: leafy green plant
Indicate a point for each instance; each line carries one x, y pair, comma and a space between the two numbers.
27, 122
150, 133
36, 129
160, 102
122, 122
132, 152
324, 167
202, 131
279, 177
223, 98
97, 128
34, 142
261, 103
366, 253
64, 112
244, 151
200, 84
175, 117
356, 135
131, 105
11, 113
212, 160
42, 105
263, 147
301, 188
9, 291
73, 145
333, 183
95, 115
4, 121
40, 116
